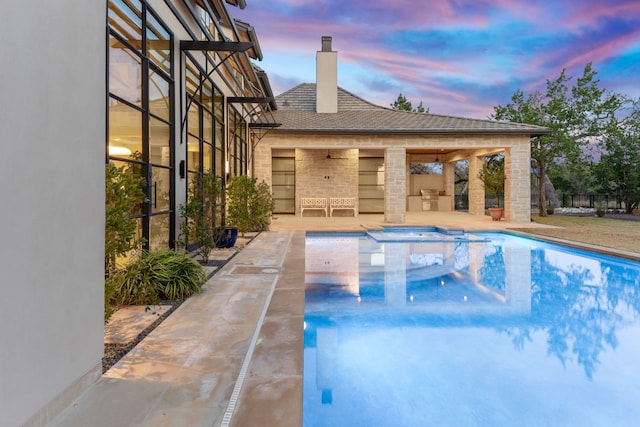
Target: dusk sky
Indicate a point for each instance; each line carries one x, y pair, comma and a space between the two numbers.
459, 57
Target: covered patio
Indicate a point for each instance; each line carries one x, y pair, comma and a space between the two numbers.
332, 143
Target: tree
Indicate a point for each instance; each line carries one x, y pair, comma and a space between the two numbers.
202, 213
577, 179
403, 104
573, 116
618, 171
493, 177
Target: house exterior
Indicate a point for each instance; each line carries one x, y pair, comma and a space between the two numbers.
169, 88
331, 143
182, 89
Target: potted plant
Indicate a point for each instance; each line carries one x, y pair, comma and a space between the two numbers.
225, 237
493, 177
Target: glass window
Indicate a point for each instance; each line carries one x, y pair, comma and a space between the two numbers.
207, 126
191, 177
207, 154
283, 184
140, 117
193, 153
130, 168
193, 120
237, 143
160, 189
159, 232
217, 105
192, 78
158, 44
159, 142
125, 72
206, 20
125, 130
207, 94
159, 101
219, 153
371, 185
125, 17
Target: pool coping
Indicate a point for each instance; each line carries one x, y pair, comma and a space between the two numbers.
578, 245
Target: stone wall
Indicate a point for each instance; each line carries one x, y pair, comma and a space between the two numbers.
319, 176
397, 148
395, 185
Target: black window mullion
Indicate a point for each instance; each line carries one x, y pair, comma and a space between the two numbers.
147, 208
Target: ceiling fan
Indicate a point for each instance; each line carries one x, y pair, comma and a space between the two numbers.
330, 157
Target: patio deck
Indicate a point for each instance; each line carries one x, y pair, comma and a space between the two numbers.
232, 355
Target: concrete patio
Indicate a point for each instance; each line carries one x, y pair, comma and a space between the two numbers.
232, 355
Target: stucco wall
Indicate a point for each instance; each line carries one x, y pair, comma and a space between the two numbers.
52, 218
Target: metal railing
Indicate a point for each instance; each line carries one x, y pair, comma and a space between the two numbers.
588, 200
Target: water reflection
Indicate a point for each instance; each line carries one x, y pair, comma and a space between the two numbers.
416, 277
443, 312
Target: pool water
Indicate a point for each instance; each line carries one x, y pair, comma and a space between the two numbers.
488, 330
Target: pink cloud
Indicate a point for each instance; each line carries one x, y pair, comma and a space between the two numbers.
584, 13
604, 51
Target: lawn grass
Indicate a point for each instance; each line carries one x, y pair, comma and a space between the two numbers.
607, 232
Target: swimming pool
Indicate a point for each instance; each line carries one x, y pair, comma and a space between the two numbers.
491, 330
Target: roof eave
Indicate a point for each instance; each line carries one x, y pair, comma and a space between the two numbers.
416, 131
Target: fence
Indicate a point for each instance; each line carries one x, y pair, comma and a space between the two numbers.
565, 201
592, 201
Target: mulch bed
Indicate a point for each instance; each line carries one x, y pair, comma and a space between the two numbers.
114, 352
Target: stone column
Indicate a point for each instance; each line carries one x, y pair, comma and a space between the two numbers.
449, 173
395, 185
476, 188
517, 187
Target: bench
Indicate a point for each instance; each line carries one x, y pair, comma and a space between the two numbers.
342, 203
313, 203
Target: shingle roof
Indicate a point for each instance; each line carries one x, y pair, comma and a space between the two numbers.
296, 112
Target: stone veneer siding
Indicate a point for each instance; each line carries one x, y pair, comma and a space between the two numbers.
475, 187
318, 176
518, 183
471, 147
395, 185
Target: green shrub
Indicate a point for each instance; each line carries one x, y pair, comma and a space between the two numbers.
249, 204
156, 276
202, 213
124, 196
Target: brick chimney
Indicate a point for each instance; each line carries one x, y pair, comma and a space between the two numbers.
326, 78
